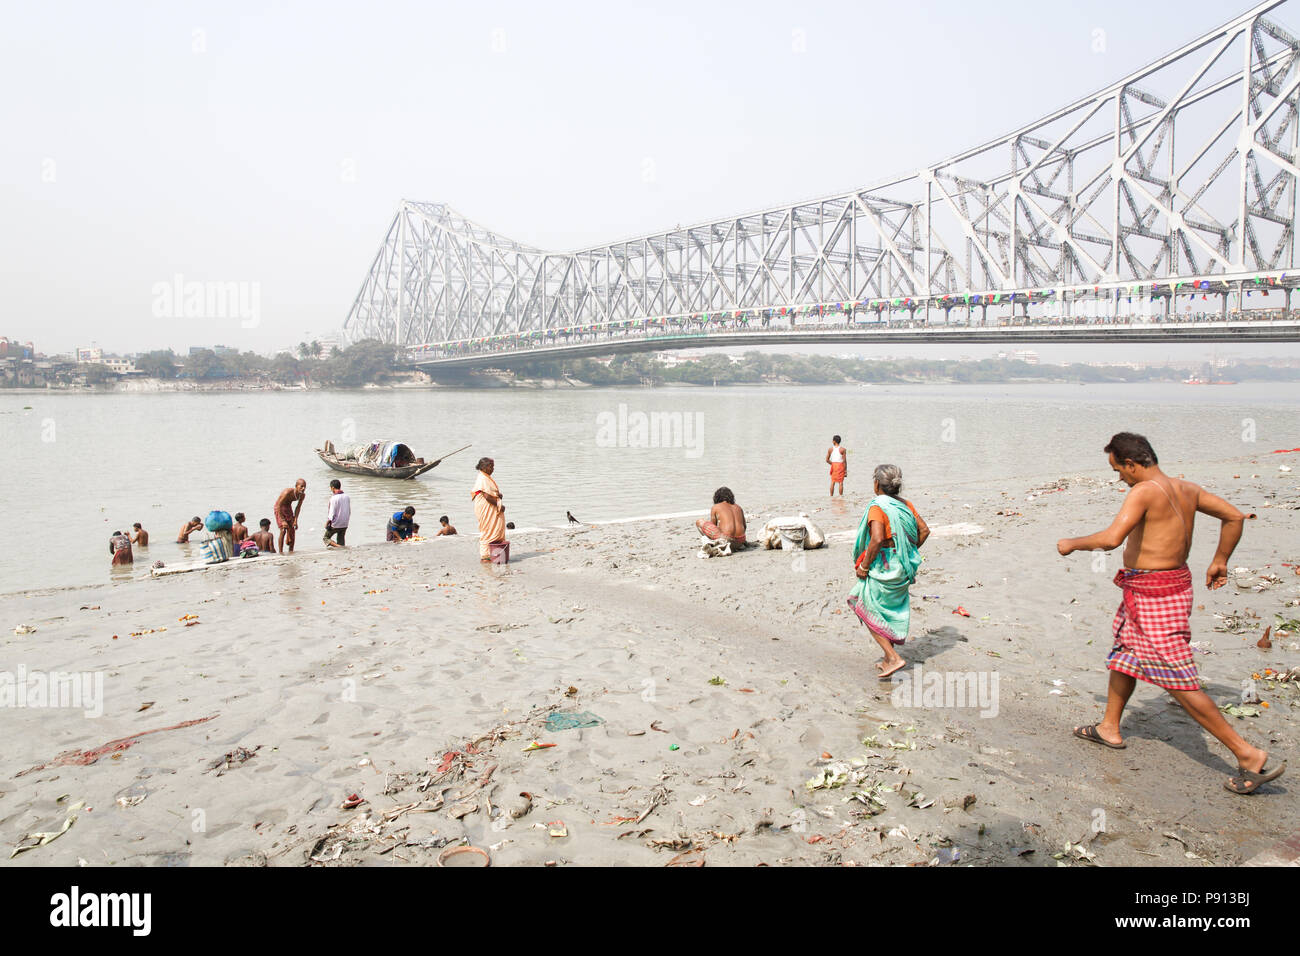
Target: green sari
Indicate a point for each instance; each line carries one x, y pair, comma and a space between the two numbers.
881, 600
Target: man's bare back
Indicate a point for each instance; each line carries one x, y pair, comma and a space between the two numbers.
1162, 537
729, 518
1155, 523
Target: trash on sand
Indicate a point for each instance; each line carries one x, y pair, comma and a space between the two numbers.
1240, 710
1078, 851
674, 747
463, 809
464, 855
84, 758
47, 837
537, 745
556, 828
25, 629
572, 720
352, 801
234, 758
521, 806
718, 681
1264, 642
962, 611
946, 855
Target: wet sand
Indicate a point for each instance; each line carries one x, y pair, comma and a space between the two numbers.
742, 722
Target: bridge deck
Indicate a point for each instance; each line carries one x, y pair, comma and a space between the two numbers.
602, 344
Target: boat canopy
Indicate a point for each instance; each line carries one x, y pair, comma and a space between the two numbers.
377, 454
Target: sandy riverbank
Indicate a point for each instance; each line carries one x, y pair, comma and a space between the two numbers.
724, 687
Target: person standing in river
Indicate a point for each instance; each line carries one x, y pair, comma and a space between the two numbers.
286, 514
837, 456
488, 509
1152, 630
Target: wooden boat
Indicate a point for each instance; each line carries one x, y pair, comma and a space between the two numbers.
379, 459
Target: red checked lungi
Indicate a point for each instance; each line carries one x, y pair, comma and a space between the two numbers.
1152, 631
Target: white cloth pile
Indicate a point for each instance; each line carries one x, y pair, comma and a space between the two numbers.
792, 534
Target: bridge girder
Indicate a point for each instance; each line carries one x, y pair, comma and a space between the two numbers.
1187, 167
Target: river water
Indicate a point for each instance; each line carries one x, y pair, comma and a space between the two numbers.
76, 467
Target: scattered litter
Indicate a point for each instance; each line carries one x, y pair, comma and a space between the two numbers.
25, 629
465, 855
537, 745
572, 720
48, 837
1240, 710
352, 801
962, 611
233, 759
556, 828
84, 758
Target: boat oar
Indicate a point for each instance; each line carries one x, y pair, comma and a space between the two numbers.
435, 464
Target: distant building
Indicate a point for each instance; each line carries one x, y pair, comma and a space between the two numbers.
673, 359
12, 348
1028, 356
90, 355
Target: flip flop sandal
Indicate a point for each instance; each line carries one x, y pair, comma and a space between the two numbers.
1247, 782
1090, 733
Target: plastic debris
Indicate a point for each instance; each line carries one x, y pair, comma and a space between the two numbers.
49, 836
572, 720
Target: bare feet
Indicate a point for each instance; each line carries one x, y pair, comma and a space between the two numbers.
891, 667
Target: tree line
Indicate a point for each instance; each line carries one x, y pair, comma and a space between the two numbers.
362, 363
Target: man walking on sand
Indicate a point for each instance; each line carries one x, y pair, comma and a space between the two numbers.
1151, 630
286, 514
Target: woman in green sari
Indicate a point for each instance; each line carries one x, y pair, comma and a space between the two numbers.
886, 559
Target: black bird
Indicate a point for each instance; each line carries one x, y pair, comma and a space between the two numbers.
572, 519
510, 526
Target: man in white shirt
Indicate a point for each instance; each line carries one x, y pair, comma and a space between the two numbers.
338, 516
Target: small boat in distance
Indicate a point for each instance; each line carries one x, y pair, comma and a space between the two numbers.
379, 459
1200, 381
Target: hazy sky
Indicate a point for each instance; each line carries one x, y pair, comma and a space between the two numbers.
268, 144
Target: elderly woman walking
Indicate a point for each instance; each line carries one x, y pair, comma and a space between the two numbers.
886, 559
488, 509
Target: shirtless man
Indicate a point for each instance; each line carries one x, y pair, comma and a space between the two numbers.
837, 456
726, 520
286, 513
187, 529
447, 527
1151, 631
263, 537
238, 531
139, 536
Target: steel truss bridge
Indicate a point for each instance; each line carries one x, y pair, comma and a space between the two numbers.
1172, 190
